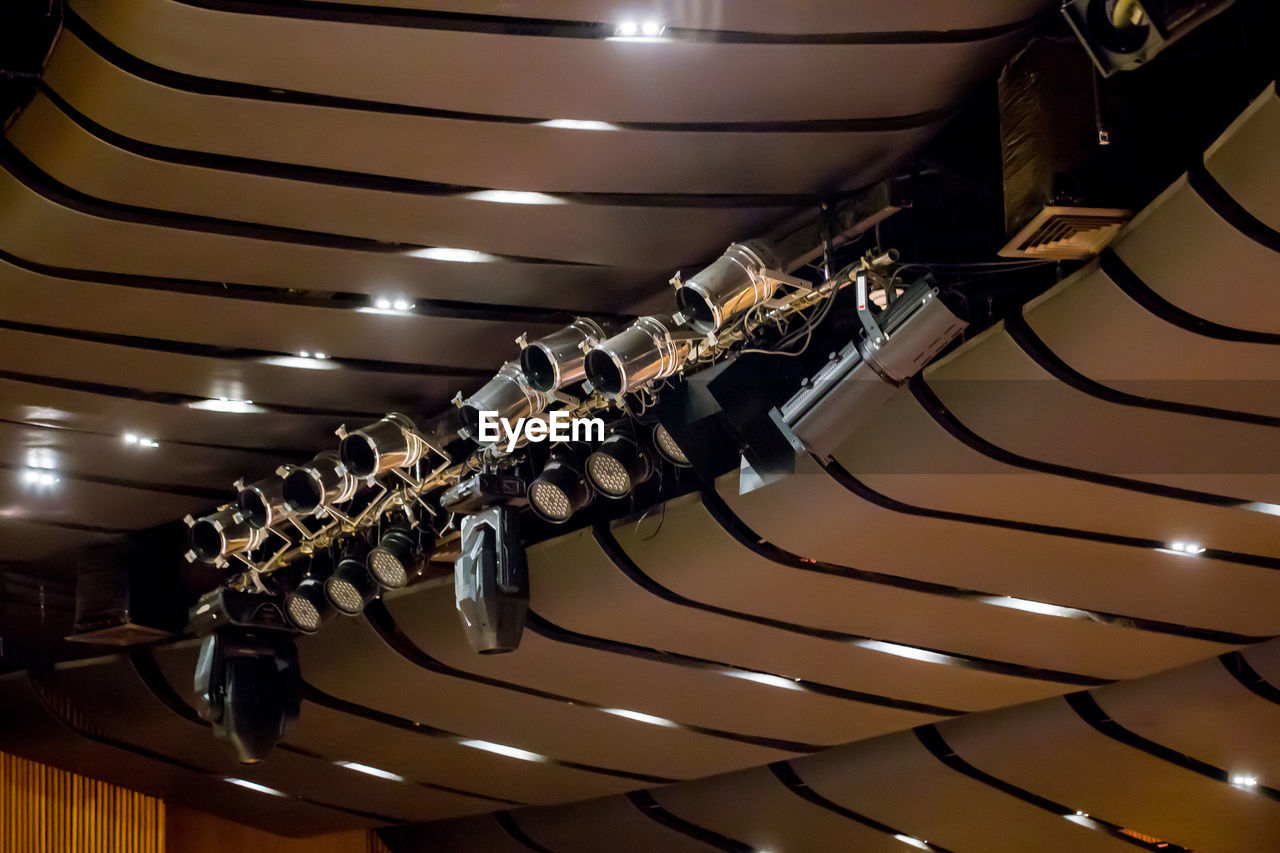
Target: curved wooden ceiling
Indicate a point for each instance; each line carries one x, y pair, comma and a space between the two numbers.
1020, 554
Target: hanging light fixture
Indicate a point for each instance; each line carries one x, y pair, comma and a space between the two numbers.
557, 360
646, 351
392, 442
618, 466
321, 482
561, 490
350, 589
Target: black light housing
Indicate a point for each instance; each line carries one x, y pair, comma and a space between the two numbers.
618, 466
491, 580
350, 589
306, 605
668, 448
561, 490
400, 554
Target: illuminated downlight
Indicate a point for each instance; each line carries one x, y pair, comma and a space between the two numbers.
618, 466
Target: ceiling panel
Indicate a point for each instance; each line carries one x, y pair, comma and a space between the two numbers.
1243, 162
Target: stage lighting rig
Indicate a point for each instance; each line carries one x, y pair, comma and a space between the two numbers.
247, 674
558, 360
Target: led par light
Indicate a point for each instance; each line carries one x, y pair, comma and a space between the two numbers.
399, 555
646, 351
262, 503
491, 580
307, 606
214, 537
618, 466
668, 449
350, 589
557, 360
727, 289
392, 442
561, 490
321, 482
507, 394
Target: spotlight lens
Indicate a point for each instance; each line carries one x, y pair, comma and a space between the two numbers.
608, 474
344, 595
388, 571
303, 613
668, 446
550, 500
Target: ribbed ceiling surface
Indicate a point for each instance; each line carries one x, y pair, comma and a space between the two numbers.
201, 189
1022, 552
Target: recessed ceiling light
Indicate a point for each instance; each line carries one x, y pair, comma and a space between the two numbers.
578, 124
914, 842
904, 651
254, 786
371, 771
763, 678
38, 477
1244, 780
641, 717
513, 197
652, 28
225, 404
503, 749
1190, 549
139, 440
627, 29
456, 256
313, 363
648, 30
382, 304
1039, 607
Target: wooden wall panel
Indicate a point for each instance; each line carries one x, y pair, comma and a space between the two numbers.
190, 831
46, 810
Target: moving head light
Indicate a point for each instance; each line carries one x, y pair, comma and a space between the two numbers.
386, 444
895, 345
491, 580
727, 289
650, 349
558, 360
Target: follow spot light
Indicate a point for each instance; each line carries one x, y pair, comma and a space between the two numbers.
618, 466
646, 351
730, 287
552, 362
391, 442
561, 490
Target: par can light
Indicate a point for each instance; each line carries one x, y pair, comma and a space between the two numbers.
307, 606
618, 466
214, 537
507, 394
392, 442
399, 555
558, 360
262, 503
321, 482
668, 449
730, 287
350, 589
561, 490
645, 351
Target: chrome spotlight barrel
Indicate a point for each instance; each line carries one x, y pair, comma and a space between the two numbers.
552, 362
508, 395
730, 287
262, 503
321, 482
392, 442
218, 535
645, 351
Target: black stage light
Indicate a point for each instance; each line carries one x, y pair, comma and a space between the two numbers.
650, 349
561, 489
216, 536
618, 466
668, 449
730, 287
392, 442
247, 674
306, 605
400, 554
491, 580
349, 588
552, 362
482, 490
321, 482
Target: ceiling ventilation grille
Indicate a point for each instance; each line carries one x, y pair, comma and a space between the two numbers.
1067, 233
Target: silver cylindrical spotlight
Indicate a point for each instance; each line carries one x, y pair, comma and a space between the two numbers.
618, 466
321, 482
561, 489
557, 360
643, 352
221, 534
392, 442
728, 288
262, 503
508, 395
668, 449
350, 589
400, 554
